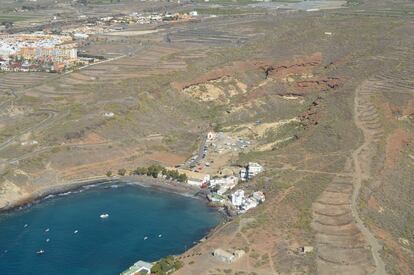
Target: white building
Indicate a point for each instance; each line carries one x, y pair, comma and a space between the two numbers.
228, 256
224, 255
229, 182
80, 36
253, 169
109, 114
250, 171
243, 174
248, 203
139, 267
216, 198
193, 13
198, 179
211, 136
237, 198
259, 196
226, 183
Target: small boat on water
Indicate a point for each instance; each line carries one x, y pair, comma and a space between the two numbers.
104, 216
145, 238
47, 229
40, 252
159, 236
47, 240
75, 232
26, 225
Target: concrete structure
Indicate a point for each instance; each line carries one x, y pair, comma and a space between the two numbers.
251, 170
228, 256
259, 196
80, 36
109, 114
224, 255
247, 204
216, 198
237, 198
305, 249
194, 178
225, 183
139, 267
211, 136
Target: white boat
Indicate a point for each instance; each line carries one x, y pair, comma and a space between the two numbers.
26, 225
104, 216
41, 251
145, 238
47, 230
159, 236
75, 232
47, 240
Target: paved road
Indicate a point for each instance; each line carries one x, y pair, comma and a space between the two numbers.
199, 154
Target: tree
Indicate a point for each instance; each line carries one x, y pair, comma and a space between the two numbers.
166, 266
140, 171
182, 178
178, 264
154, 170
122, 172
109, 173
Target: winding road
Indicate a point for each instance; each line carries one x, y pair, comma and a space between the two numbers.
344, 244
361, 106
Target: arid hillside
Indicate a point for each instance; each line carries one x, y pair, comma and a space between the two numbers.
326, 98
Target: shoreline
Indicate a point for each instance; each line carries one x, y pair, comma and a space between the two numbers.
156, 184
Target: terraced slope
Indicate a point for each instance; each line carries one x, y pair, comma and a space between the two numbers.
345, 245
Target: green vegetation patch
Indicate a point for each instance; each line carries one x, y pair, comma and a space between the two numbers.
166, 265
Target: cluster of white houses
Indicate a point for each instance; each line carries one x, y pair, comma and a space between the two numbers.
225, 183
243, 203
220, 186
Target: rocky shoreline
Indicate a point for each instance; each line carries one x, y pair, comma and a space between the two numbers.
143, 181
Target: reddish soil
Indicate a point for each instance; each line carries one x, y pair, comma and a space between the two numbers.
318, 84
390, 110
270, 70
292, 67
409, 108
402, 257
238, 66
93, 138
373, 203
312, 115
167, 158
396, 143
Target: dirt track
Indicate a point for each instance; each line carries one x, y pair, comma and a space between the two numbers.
366, 119
345, 244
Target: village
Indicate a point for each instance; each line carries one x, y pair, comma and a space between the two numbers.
221, 191
56, 50
37, 52
208, 170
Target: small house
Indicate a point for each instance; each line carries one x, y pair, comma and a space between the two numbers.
139, 267
224, 255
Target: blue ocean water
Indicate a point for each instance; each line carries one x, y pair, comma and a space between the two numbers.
170, 222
